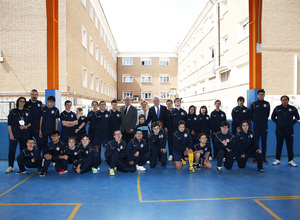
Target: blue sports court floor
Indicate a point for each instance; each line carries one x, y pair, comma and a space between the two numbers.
153, 194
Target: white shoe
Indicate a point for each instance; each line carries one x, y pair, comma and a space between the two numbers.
148, 161
276, 162
53, 163
292, 163
170, 158
141, 168
9, 169
210, 158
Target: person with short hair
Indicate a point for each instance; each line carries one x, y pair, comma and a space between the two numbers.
92, 120
71, 152
259, 114
285, 116
168, 125
137, 152
225, 142
246, 147
200, 150
29, 157
182, 143
69, 122
239, 114
19, 122
81, 127
144, 111
192, 123
128, 120
157, 142
115, 119
204, 124
143, 126
157, 112
216, 118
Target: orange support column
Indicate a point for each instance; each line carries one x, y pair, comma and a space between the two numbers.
255, 60
52, 44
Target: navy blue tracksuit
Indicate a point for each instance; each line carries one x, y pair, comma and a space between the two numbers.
133, 146
55, 150
285, 118
87, 157
204, 125
156, 143
114, 155
216, 118
25, 157
222, 151
246, 144
115, 123
20, 136
92, 119
82, 131
168, 125
72, 157
67, 132
192, 125
205, 149
145, 129
181, 141
259, 114
239, 114
36, 112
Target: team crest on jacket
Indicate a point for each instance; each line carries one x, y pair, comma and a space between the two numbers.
121, 147
185, 135
227, 140
39, 105
75, 153
161, 136
244, 110
118, 115
87, 152
222, 115
265, 105
52, 112
82, 118
31, 154
106, 115
57, 148
182, 113
195, 118
251, 135
26, 114
290, 109
71, 116
207, 117
142, 145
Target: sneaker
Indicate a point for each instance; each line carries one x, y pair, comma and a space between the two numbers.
184, 162
43, 173
223, 161
53, 163
9, 169
198, 167
111, 171
62, 171
276, 162
254, 161
192, 170
292, 163
261, 170
219, 169
170, 158
141, 168
20, 172
148, 162
94, 170
194, 164
164, 168
98, 168
265, 162
210, 158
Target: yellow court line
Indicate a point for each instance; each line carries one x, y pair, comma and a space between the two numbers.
139, 187
18, 184
77, 206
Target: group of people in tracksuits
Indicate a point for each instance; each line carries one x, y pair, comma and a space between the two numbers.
131, 138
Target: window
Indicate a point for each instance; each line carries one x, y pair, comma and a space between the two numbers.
164, 61
223, 8
224, 45
146, 61
101, 58
243, 29
128, 78
194, 66
108, 44
101, 86
91, 11
146, 78
127, 61
91, 81
84, 3
104, 88
212, 51
84, 36
84, 77
201, 61
105, 63
91, 46
146, 95
96, 22
97, 84
104, 38
225, 76
128, 93
101, 30
163, 78
97, 53
164, 95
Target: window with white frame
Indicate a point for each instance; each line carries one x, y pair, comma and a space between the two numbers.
107, 44
225, 76
84, 77
108, 67
243, 29
146, 95
128, 93
101, 30
104, 37
97, 52
127, 78
84, 36
164, 78
96, 21
127, 61
146, 61
104, 88
84, 3
164, 61
212, 52
105, 63
91, 46
201, 61
91, 11
146, 78
223, 7
194, 66
91, 81
101, 58
224, 44
101, 86
97, 84
164, 95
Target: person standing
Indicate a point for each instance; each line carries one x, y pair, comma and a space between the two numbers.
69, 122
239, 114
192, 123
285, 116
157, 112
115, 119
259, 114
168, 127
81, 127
19, 122
91, 120
144, 111
128, 120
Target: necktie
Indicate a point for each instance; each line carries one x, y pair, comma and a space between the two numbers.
125, 110
157, 113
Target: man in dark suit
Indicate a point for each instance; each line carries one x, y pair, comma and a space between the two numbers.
128, 120
157, 112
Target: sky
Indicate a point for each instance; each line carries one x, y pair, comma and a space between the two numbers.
151, 25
